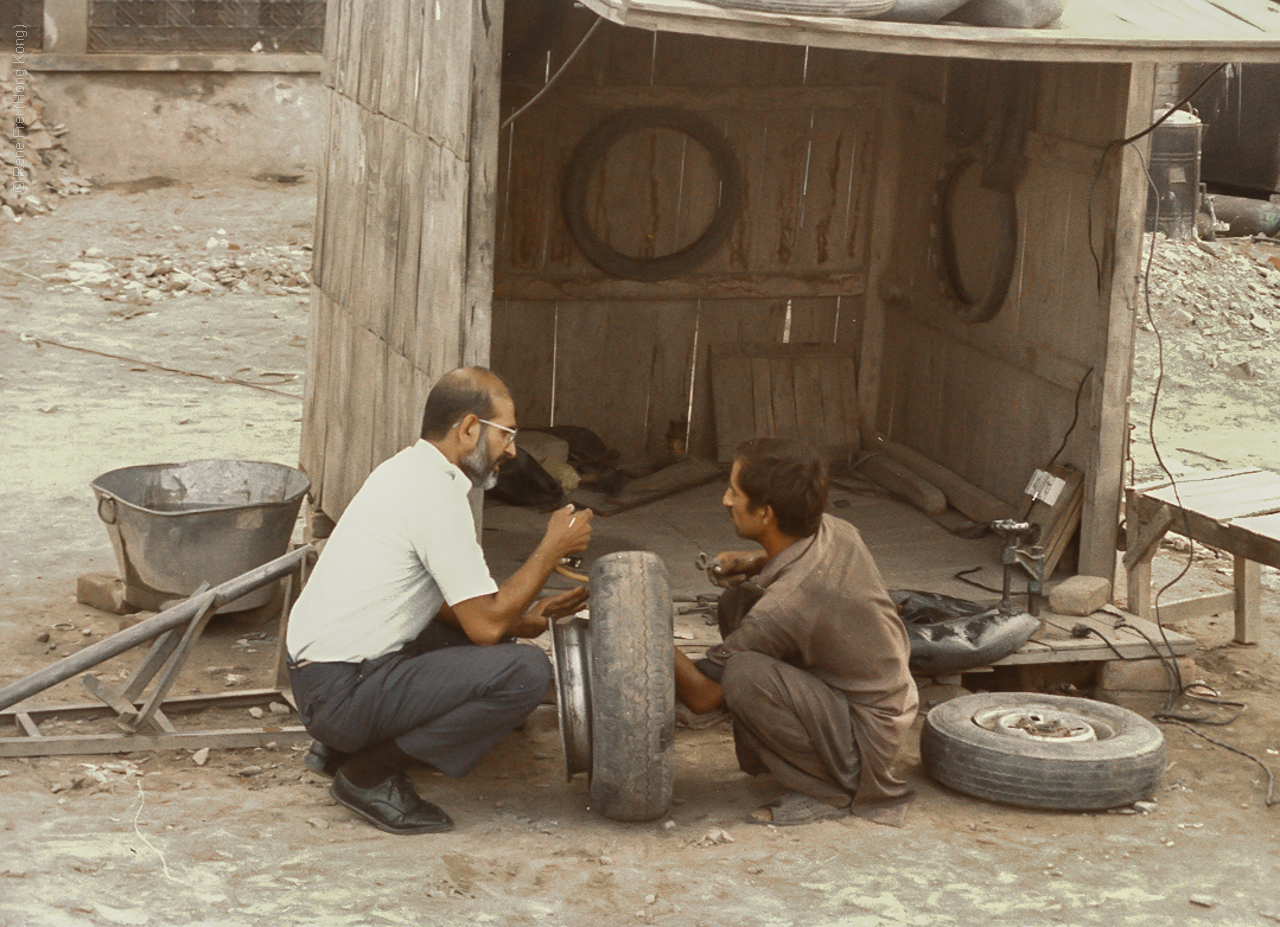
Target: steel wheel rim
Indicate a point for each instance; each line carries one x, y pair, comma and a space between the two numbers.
1042, 724
571, 649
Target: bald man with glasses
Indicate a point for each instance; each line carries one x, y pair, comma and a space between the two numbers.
402, 648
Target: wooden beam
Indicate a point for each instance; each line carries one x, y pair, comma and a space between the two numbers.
486, 85
974, 502
1215, 603
1143, 546
1247, 600
1109, 405
526, 286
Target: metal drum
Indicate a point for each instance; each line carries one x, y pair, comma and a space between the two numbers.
1240, 107
1174, 165
175, 526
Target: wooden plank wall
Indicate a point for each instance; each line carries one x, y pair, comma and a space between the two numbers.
629, 359
993, 401
402, 286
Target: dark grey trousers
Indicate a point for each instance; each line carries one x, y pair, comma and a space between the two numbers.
444, 700
786, 721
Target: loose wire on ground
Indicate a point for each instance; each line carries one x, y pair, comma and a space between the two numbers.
1271, 779
38, 341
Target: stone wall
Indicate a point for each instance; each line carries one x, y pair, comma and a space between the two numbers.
188, 125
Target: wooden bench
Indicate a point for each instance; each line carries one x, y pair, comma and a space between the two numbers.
1236, 511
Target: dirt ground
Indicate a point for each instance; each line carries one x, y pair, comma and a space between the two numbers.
250, 838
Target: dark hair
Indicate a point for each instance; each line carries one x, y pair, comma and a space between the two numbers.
787, 475
461, 392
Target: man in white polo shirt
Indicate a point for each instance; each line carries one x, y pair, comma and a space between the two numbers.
401, 646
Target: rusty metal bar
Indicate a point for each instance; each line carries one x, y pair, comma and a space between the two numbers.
143, 631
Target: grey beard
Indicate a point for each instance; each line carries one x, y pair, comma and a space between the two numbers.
479, 466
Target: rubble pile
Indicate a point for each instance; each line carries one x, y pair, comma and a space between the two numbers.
1227, 291
149, 276
38, 170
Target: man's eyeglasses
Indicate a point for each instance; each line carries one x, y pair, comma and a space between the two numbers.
511, 432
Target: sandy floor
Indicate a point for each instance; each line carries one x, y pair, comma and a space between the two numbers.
251, 838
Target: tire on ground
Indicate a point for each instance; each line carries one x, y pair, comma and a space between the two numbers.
632, 687
1121, 767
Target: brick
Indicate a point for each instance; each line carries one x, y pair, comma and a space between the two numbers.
1147, 675
1080, 595
103, 591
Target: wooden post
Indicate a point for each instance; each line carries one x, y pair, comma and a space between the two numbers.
1099, 525
486, 87
1248, 600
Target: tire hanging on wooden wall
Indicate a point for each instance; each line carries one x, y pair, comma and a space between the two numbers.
981, 305
592, 149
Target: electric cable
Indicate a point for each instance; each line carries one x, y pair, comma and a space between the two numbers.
554, 77
1075, 418
1271, 779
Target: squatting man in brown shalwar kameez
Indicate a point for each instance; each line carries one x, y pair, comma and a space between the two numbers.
813, 668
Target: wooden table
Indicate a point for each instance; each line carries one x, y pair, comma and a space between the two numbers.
1237, 511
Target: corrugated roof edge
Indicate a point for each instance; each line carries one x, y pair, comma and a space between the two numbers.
1091, 31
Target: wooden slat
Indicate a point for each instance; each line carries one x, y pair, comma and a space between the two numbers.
813, 419
590, 284
762, 397
1235, 538
396, 38
1058, 522
792, 391
734, 402
328, 485
408, 254
1240, 496
782, 399
524, 336
29, 728
839, 384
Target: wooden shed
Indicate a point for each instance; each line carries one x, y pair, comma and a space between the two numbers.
950, 208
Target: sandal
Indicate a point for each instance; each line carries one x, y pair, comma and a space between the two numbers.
797, 808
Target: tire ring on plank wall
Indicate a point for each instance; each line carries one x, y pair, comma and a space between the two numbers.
592, 149
984, 306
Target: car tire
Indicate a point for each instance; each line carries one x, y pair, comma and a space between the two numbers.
1018, 748
596, 144
632, 687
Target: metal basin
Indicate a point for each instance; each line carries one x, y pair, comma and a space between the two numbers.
175, 526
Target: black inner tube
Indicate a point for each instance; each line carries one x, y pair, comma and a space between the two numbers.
593, 148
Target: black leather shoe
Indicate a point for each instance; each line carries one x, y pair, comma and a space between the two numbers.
391, 805
324, 760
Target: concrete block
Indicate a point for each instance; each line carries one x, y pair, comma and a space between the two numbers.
1147, 675
103, 591
1080, 595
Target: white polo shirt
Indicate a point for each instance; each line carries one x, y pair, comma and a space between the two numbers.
405, 544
